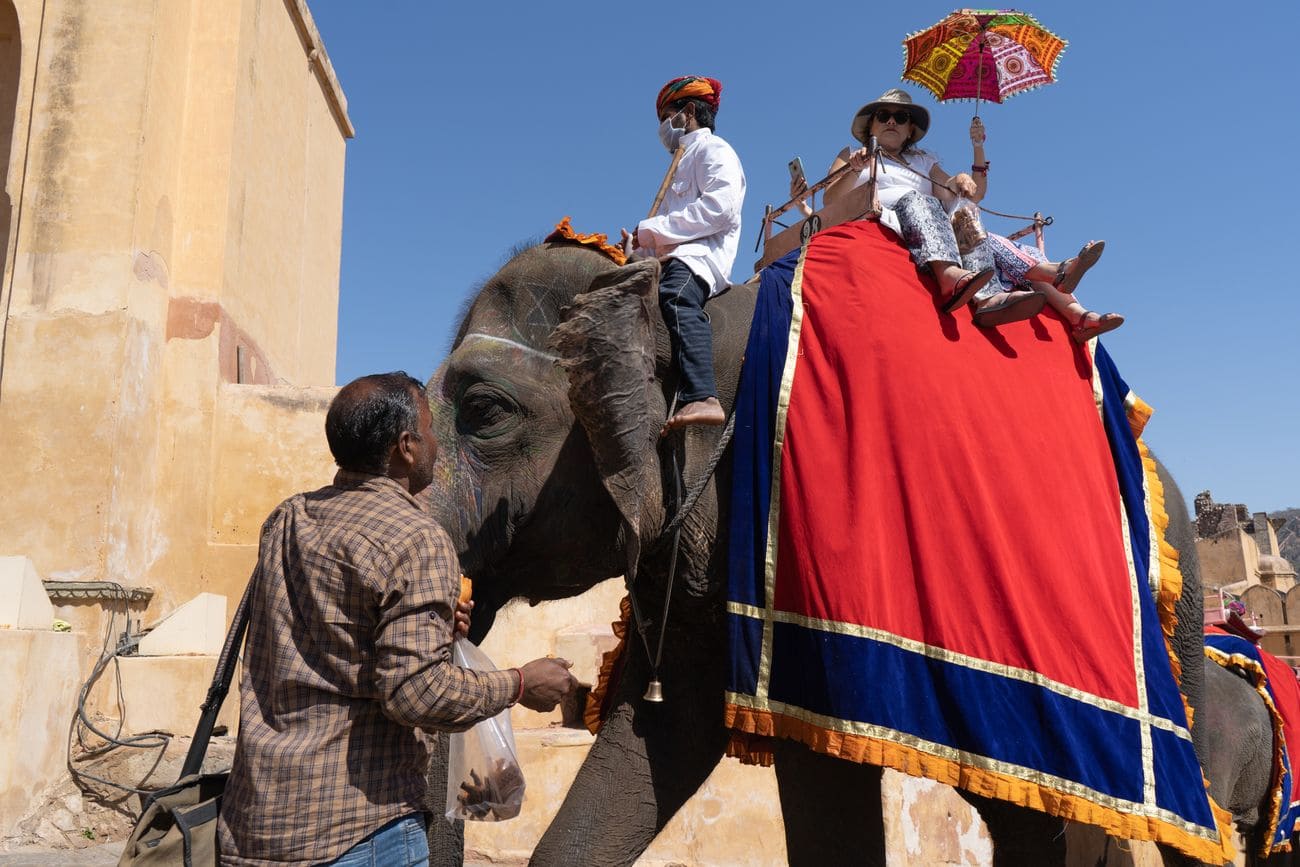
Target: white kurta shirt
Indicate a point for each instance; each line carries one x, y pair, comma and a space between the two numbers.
699, 219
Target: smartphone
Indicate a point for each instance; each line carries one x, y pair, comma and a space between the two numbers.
796, 171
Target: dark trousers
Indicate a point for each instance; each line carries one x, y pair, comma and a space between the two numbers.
681, 299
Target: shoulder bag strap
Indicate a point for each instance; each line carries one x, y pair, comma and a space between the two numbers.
220, 683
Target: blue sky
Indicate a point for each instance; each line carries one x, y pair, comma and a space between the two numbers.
481, 125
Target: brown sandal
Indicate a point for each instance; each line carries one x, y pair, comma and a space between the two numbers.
1071, 271
966, 287
1096, 324
1008, 307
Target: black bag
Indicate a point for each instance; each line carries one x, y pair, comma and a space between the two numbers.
178, 825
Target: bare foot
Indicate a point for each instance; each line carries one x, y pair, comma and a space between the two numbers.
707, 411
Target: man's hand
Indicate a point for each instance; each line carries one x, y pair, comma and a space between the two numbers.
963, 185
546, 683
460, 625
629, 241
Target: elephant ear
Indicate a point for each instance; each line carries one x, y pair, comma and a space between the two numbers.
606, 344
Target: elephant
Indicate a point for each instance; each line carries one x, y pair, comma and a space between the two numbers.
1233, 735
1232, 730
551, 478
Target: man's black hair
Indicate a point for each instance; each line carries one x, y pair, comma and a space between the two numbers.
704, 115
368, 415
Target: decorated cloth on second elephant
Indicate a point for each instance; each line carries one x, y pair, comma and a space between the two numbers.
947, 553
1276, 684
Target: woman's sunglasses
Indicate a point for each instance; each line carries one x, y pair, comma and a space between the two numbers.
882, 115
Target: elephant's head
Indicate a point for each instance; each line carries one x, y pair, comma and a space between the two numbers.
546, 412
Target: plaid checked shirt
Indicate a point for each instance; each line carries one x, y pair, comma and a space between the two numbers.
347, 656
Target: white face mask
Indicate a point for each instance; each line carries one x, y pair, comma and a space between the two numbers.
670, 135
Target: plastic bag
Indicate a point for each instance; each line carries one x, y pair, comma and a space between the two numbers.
484, 781
966, 225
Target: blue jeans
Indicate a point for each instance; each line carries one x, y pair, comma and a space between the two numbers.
681, 299
400, 843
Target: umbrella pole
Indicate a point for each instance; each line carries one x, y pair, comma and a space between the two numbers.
979, 75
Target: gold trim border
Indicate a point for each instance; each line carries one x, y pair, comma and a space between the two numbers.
778, 450
941, 654
975, 760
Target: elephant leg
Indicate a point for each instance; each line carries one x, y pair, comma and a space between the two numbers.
1020, 835
1171, 857
646, 762
821, 798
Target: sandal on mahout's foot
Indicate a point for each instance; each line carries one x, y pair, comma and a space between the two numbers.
1091, 324
1071, 271
966, 287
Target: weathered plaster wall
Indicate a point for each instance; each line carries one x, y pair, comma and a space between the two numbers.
284, 218
270, 444
177, 225
1227, 558
41, 682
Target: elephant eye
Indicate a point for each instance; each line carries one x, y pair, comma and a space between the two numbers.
485, 411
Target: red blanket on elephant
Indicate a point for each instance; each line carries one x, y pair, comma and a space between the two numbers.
944, 546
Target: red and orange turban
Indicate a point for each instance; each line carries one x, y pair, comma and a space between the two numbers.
708, 90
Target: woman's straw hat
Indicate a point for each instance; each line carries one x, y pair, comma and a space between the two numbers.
893, 97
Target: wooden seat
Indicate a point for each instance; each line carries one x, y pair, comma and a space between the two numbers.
858, 204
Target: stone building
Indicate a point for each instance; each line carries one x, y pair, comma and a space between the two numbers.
1238, 548
170, 232
1239, 555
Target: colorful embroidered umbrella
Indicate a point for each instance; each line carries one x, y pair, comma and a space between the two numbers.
982, 54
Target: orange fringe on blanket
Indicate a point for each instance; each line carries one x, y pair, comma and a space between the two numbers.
1171, 576
1171, 589
859, 748
564, 231
593, 715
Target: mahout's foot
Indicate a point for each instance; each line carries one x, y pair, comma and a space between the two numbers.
708, 411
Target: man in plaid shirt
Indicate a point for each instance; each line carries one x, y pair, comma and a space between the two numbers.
347, 657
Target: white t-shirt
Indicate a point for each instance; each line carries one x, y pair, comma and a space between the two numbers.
894, 180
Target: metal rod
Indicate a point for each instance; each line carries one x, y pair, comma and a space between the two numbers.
771, 213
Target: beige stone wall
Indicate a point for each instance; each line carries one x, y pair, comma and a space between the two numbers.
269, 445
41, 681
170, 227
1228, 558
176, 227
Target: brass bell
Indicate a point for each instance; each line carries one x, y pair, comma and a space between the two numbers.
654, 692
